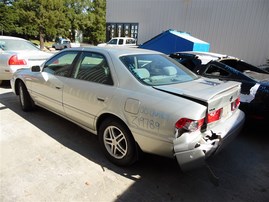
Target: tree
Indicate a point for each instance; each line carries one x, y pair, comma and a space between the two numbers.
53, 18
8, 17
77, 12
42, 18
98, 27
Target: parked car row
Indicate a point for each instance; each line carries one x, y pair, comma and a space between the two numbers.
254, 81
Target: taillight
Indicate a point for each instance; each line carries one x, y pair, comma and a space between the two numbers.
235, 104
189, 124
214, 116
13, 60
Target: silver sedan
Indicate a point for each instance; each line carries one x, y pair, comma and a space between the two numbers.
135, 100
16, 53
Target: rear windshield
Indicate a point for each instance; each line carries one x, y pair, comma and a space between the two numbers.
16, 45
157, 69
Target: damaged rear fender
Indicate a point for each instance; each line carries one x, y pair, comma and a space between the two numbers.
193, 152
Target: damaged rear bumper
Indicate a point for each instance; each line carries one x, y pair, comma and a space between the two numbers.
200, 147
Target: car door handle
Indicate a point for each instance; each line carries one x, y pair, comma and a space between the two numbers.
57, 87
100, 99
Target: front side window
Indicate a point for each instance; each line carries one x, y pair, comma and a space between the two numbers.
93, 67
157, 69
61, 64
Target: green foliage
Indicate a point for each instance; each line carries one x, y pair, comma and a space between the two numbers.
41, 17
8, 19
48, 19
98, 27
77, 12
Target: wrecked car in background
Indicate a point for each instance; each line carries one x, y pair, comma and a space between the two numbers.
135, 100
255, 81
265, 67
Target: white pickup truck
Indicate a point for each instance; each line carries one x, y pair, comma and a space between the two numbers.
120, 41
64, 43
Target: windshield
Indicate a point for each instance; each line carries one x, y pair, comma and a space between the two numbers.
16, 45
112, 41
157, 69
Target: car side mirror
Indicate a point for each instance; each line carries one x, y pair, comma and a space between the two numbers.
35, 68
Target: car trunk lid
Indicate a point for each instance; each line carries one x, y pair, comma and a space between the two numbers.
214, 94
33, 57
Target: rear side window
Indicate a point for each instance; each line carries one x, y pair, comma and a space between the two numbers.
120, 41
157, 69
61, 64
130, 41
93, 67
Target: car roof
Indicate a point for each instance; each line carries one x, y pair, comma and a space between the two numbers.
123, 38
12, 37
117, 51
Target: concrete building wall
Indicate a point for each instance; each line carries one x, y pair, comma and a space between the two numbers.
235, 27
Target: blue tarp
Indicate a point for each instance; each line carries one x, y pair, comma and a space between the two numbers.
172, 41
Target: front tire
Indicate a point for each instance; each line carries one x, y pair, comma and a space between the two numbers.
117, 142
26, 101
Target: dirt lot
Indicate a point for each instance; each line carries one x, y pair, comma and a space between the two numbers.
46, 158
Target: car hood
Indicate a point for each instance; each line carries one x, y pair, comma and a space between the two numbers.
213, 93
102, 44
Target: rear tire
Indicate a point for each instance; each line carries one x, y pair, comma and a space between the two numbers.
117, 142
26, 101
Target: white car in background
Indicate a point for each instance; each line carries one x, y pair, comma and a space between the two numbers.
120, 41
61, 44
17, 53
